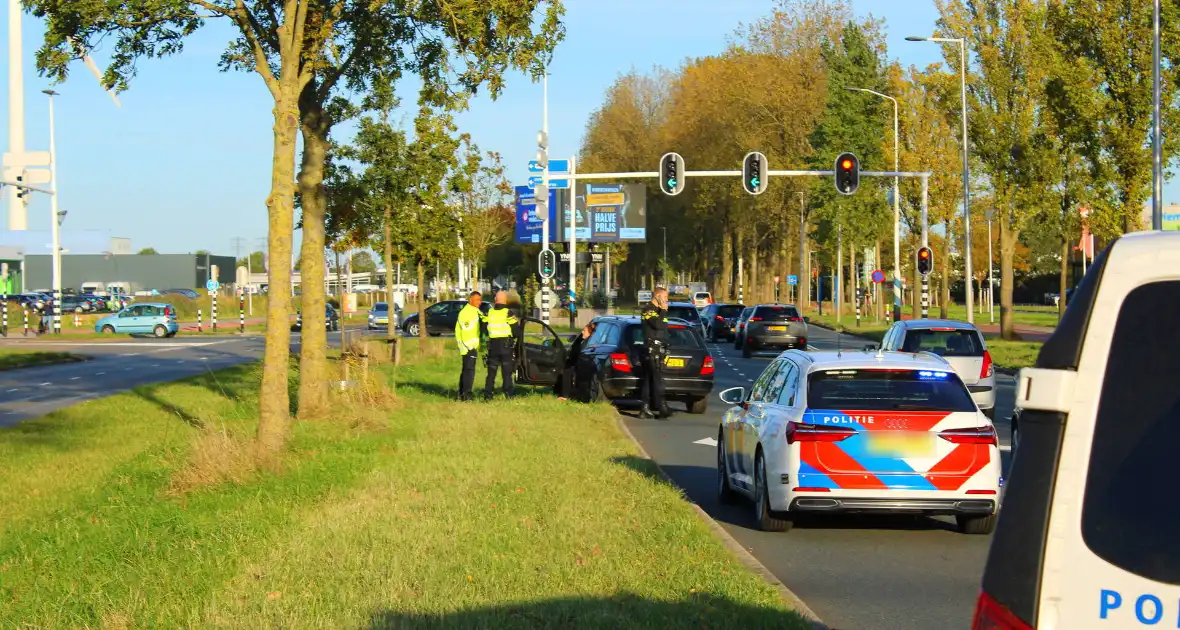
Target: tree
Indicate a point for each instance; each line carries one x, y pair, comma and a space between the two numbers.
288, 43
1008, 99
362, 262
483, 201
256, 262
202, 252
148, 251
1113, 43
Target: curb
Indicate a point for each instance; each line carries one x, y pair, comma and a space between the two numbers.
745, 557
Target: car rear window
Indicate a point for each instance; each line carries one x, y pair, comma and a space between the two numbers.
687, 313
888, 390
1127, 518
678, 337
776, 313
729, 311
944, 342
380, 306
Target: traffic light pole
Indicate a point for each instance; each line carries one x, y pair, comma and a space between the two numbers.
925, 243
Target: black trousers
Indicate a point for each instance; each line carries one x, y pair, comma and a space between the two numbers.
467, 377
652, 387
499, 357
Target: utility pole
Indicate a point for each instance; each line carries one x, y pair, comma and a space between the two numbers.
56, 218
18, 217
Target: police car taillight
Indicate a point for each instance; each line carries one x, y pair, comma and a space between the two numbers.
990, 615
974, 435
797, 432
620, 362
707, 368
988, 368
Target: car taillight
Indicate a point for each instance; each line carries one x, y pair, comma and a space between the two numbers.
620, 362
676, 327
168, 311
755, 319
988, 368
973, 435
707, 368
794, 319
991, 615
797, 432
719, 318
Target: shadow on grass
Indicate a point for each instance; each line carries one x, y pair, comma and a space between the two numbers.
625, 610
148, 395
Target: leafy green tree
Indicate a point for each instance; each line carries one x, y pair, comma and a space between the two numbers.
148, 251
256, 262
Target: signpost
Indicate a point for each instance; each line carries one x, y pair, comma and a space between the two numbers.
643, 296
878, 276
554, 184
555, 166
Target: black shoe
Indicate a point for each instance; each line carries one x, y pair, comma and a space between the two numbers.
465, 397
665, 413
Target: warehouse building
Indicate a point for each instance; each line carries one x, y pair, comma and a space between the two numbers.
139, 272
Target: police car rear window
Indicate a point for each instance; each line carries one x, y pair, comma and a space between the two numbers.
888, 390
1130, 512
678, 337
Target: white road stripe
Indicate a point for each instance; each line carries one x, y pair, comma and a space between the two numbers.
15, 389
706, 441
44, 384
74, 378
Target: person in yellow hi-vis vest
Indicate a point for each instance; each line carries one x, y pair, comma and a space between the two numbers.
467, 338
503, 330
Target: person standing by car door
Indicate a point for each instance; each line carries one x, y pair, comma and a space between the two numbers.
655, 349
503, 330
467, 338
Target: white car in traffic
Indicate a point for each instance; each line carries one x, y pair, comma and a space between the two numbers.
960, 343
859, 432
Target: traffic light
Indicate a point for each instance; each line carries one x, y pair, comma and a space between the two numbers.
541, 202
21, 192
671, 173
754, 173
925, 260
542, 149
547, 263
847, 173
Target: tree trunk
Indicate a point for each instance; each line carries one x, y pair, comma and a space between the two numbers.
1008, 236
387, 258
945, 299
916, 287
339, 277
724, 287
313, 340
1064, 277
752, 274
421, 308
877, 286
274, 406
853, 278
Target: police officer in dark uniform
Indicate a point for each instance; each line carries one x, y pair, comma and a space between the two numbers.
655, 347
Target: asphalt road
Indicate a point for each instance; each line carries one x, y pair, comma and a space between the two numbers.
856, 573
116, 366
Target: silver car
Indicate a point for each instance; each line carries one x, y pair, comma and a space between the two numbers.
960, 343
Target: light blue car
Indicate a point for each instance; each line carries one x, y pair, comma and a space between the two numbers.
153, 318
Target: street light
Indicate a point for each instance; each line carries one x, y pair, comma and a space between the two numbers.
56, 218
966, 173
896, 210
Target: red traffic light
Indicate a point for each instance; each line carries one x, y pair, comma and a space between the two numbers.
846, 164
924, 253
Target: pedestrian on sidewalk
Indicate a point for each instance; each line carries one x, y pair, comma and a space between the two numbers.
467, 329
503, 331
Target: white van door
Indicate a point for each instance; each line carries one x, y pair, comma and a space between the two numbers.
1089, 533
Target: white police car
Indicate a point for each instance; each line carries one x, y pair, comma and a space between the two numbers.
884, 432
1090, 536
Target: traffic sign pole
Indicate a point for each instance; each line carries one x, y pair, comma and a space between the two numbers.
926, 243
544, 164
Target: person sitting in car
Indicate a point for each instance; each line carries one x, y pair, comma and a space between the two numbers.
567, 385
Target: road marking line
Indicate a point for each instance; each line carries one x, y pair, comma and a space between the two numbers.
127, 369
74, 378
1007, 448
706, 441
44, 384
133, 354
99, 373
14, 389
154, 365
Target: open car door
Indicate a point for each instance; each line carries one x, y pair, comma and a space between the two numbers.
540, 353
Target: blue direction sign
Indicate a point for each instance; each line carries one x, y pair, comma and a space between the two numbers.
555, 166
792, 279
554, 184
878, 276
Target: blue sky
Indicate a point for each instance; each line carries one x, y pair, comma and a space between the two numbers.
184, 164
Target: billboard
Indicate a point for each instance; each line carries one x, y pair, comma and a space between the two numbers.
606, 213
528, 224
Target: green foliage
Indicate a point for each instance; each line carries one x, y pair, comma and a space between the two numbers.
148, 251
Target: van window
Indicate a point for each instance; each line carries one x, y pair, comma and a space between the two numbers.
1130, 511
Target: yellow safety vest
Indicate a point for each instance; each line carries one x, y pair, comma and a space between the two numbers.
467, 329
500, 322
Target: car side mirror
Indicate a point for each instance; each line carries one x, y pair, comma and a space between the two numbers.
733, 395
870, 347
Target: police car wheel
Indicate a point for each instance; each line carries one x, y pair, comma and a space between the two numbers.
767, 519
976, 524
725, 492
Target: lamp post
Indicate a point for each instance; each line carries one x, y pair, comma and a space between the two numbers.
966, 172
896, 210
804, 286
664, 271
1157, 149
55, 222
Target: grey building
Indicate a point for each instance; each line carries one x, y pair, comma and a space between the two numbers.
141, 271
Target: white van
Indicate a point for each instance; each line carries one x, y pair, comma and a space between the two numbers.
701, 299
1089, 529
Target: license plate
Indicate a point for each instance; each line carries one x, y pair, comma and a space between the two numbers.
779, 328
897, 445
670, 362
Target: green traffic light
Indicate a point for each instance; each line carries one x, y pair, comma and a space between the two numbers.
671, 183
754, 182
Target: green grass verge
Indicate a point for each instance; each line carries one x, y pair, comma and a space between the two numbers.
14, 359
1011, 355
431, 513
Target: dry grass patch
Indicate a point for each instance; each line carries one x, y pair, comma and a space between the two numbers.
217, 456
